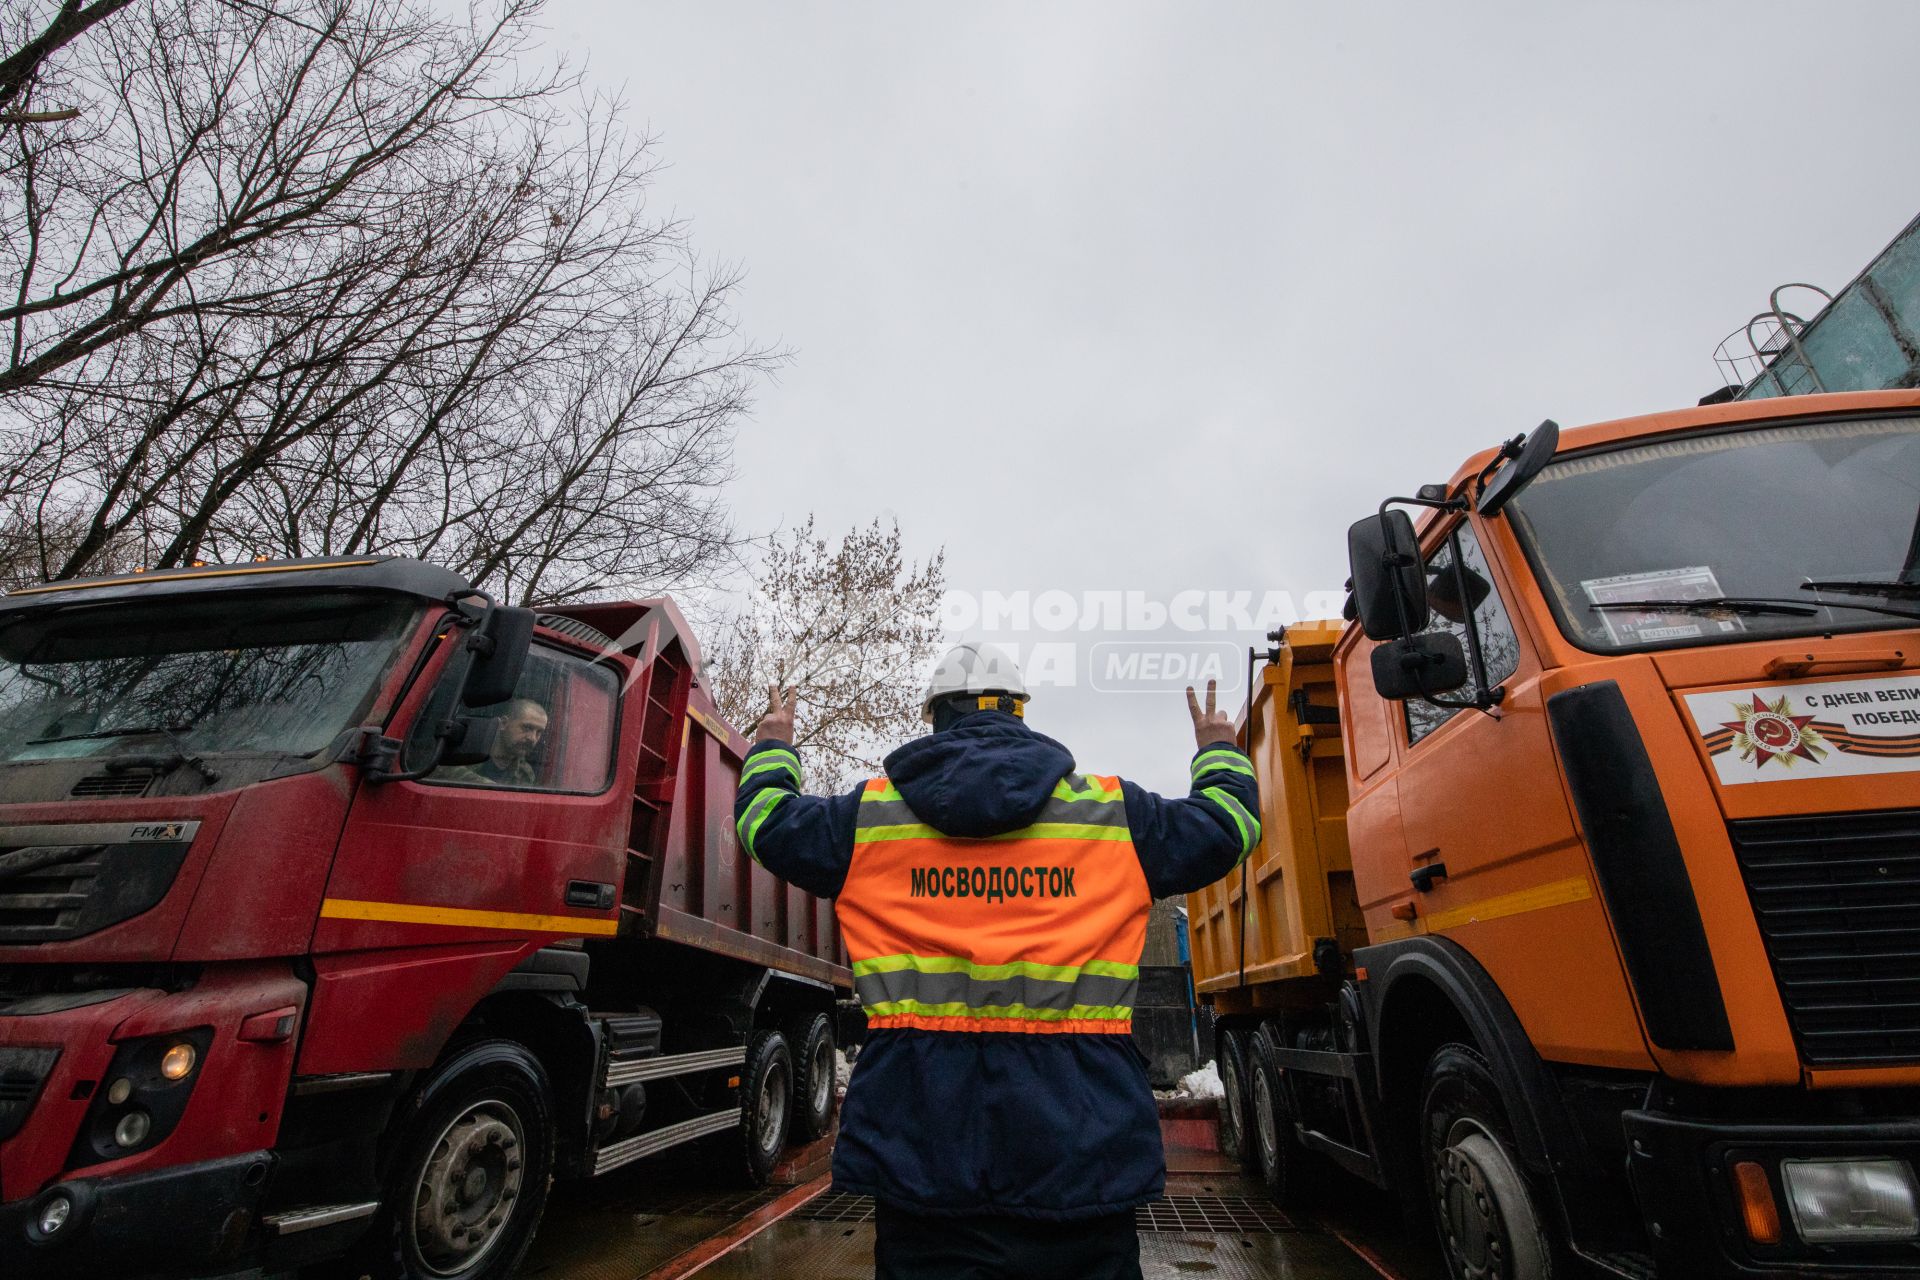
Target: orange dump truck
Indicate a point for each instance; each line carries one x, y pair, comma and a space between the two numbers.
1588, 913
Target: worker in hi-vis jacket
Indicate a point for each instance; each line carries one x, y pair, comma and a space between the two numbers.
993, 901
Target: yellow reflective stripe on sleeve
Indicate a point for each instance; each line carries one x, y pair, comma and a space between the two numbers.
1077, 1013
887, 792
1232, 761
992, 972
1038, 831
768, 761
1248, 824
749, 825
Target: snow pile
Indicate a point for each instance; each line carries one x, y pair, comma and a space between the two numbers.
1204, 1083
842, 1070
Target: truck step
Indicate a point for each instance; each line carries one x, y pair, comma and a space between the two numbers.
631, 1070
318, 1215
646, 1144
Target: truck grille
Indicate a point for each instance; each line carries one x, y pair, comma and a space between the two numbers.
55, 892
1837, 897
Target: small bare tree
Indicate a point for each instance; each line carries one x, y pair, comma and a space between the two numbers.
324, 277
852, 625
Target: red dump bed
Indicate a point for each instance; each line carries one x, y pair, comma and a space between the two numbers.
687, 878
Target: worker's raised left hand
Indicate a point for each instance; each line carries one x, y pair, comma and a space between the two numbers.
1209, 726
776, 723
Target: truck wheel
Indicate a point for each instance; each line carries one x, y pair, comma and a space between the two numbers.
1236, 1140
766, 1104
468, 1178
1288, 1169
1488, 1224
811, 1041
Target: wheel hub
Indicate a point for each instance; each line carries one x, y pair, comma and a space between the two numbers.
1230, 1083
1475, 1234
1263, 1112
822, 1076
773, 1109
1485, 1215
467, 1188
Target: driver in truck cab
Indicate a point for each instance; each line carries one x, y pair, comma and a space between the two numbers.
993, 901
523, 723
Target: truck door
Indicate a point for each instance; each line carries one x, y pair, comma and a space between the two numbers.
1489, 831
441, 885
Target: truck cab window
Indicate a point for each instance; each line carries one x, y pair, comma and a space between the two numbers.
1498, 643
556, 733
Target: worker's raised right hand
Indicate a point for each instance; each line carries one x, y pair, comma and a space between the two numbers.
1209, 726
776, 723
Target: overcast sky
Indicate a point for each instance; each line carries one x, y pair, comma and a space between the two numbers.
1108, 297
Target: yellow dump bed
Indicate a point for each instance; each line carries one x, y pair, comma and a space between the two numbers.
1299, 879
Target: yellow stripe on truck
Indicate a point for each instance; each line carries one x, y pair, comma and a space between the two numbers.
462, 917
1556, 894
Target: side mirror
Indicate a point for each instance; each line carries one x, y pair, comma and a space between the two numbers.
469, 740
1528, 461
500, 651
1418, 665
1389, 582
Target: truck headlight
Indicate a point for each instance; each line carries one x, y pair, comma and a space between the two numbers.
148, 1084
54, 1212
1834, 1201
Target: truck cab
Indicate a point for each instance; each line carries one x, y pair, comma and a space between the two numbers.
340, 907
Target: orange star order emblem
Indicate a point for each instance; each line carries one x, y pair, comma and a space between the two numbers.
1768, 731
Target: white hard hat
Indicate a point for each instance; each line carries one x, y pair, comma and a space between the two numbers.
974, 668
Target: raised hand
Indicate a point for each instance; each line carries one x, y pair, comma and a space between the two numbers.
1209, 726
777, 721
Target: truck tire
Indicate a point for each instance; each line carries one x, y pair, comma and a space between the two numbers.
1290, 1171
766, 1104
811, 1041
467, 1180
1236, 1139
1488, 1221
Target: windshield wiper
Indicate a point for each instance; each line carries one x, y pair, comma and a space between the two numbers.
1864, 587
1752, 606
182, 754
128, 731
1747, 605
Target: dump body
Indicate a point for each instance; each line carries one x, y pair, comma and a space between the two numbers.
687, 879
1299, 878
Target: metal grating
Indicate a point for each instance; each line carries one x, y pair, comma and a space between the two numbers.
837, 1206
1180, 1215
1229, 1215
1837, 898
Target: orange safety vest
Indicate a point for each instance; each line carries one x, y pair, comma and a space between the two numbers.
1037, 930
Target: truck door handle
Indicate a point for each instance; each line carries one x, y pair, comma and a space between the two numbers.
589, 893
1423, 877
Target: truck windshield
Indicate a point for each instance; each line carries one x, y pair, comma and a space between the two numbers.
1749, 516
245, 672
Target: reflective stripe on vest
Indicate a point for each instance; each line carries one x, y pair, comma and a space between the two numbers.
1037, 930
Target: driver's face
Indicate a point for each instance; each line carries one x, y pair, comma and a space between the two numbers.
520, 733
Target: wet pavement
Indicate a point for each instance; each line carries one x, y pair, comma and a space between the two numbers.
673, 1217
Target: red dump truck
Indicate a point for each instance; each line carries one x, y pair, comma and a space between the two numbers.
341, 907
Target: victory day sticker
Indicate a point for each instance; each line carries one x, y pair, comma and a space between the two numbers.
1827, 730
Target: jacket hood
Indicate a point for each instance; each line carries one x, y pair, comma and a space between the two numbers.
986, 774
